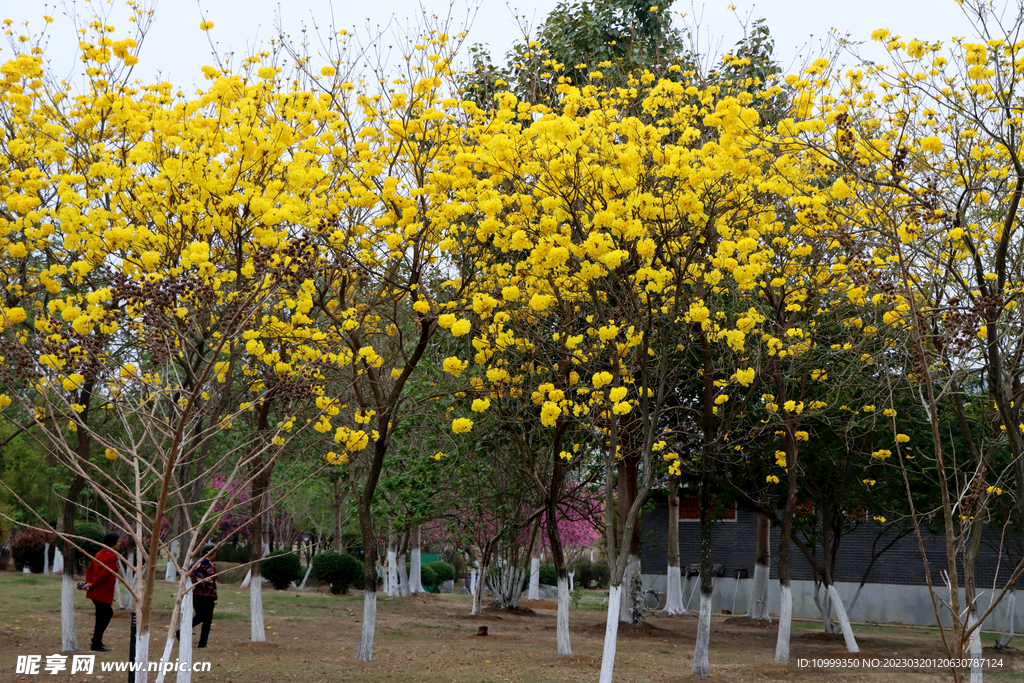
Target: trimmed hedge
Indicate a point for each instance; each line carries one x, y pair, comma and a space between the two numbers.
443, 571
281, 568
428, 577
338, 569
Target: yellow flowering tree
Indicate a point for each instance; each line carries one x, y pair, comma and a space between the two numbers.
923, 156
147, 238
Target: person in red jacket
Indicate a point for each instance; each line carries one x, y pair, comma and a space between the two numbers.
100, 578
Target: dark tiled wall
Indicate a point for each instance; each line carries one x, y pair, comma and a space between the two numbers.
733, 545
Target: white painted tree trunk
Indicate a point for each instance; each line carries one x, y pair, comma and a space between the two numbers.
824, 608
248, 576
257, 632
758, 606
700, 648
392, 583
46, 559
627, 610
416, 563
130, 580
415, 572
26, 570
478, 590
562, 620
58, 562
611, 632
572, 585
785, 623
68, 639
365, 651
171, 573
472, 581
1011, 606
185, 643
977, 673
403, 578
142, 657
674, 592
306, 577
166, 656
534, 591
844, 620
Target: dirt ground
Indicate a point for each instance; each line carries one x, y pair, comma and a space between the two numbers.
312, 637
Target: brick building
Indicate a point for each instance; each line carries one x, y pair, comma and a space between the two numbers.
896, 589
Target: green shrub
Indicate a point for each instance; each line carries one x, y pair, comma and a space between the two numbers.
443, 571
548, 575
27, 549
338, 569
428, 577
281, 568
592, 575
234, 553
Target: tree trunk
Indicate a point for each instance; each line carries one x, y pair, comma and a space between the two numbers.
611, 631
824, 606
337, 502
392, 587
257, 632
534, 590
170, 572
480, 582
974, 648
142, 655
844, 620
416, 576
703, 642
564, 646
309, 568
185, 642
68, 639
674, 583
1011, 606
830, 541
365, 651
786, 611
403, 573
630, 609
758, 607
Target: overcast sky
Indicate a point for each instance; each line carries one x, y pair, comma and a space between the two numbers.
178, 49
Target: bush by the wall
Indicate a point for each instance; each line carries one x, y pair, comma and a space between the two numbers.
281, 568
548, 575
338, 569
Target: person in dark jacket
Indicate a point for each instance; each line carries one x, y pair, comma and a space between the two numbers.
204, 593
100, 578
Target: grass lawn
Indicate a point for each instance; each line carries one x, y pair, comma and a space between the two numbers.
312, 637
